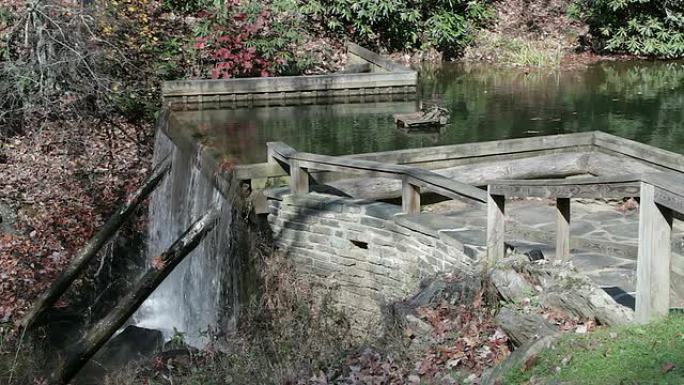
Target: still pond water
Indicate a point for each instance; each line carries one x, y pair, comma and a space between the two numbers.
643, 101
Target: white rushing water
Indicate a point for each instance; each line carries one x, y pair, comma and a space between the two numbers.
192, 299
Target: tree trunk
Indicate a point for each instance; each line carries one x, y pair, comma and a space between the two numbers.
90, 250
161, 267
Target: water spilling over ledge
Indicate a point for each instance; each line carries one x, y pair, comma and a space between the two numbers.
201, 291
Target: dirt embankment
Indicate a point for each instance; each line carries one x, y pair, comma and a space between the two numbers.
534, 33
57, 186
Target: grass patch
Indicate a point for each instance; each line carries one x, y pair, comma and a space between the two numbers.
499, 48
639, 354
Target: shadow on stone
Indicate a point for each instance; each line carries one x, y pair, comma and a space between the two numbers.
620, 296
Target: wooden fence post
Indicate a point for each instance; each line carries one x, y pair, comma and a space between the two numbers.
562, 228
410, 197
496, 210
653, 262
299, 178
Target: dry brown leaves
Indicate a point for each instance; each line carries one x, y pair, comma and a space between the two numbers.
63, 182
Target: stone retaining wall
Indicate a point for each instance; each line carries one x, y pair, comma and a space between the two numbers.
367, 250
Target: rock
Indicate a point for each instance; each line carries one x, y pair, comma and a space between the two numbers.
419, 331
455, 290
575, 293
525, 353
511, 285
522, 328
7, 219
590, 303
133, 343
535, 255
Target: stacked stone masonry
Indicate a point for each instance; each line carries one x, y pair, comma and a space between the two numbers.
368, 251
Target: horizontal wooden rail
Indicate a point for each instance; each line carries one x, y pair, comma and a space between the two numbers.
594, 187
443, 155
300, 164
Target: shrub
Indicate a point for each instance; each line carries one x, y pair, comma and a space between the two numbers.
250, 38
62, 61
447, 25
641, 27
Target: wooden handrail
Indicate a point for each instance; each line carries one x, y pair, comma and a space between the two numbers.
413, 179
465, 152
593, 187
660, 194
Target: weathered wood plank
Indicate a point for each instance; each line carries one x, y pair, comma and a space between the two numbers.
446, 186
508, 146
477, 174
287, 84
361, 167
563, 228
669, 189
604, 191
376, 59
594, 187
258, 171
410, 197
669, 199
496, 210
536, 164
585, 181
280, 151
640, 151
299, 178
653, 261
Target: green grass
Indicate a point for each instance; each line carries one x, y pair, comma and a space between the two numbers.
625, 355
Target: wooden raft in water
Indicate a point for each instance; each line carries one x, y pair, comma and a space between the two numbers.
432, 117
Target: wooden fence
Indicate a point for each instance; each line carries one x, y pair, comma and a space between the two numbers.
661, 194
385, 78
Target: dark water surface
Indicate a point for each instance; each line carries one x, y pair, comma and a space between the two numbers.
638, 100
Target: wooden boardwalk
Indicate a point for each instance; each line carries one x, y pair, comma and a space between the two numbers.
657, 181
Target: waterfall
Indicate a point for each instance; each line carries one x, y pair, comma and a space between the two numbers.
199, 297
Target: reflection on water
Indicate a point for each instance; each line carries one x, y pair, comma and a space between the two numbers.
643, 101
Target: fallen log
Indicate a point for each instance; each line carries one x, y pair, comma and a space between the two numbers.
90, 250
161, 267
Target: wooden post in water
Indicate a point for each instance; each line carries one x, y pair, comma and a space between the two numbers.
496, 210
410, 197
562, 228
653, 262
299, 178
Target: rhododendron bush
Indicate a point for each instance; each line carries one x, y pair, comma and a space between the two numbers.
246, 38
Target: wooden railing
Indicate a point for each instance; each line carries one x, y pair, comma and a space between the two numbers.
299, 165
448, 155
660, 195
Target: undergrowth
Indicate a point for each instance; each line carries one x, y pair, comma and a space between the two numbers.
495, 47
638, 354
292, 330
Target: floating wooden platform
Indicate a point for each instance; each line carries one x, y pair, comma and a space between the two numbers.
431, 118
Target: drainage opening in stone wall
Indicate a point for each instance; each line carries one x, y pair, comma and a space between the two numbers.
359, 244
